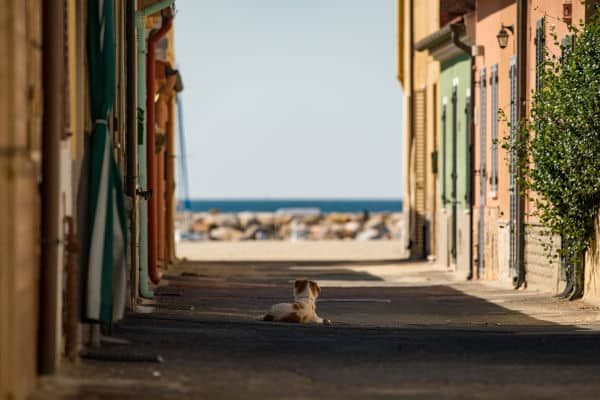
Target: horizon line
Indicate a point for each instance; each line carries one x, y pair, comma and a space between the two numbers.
293, 198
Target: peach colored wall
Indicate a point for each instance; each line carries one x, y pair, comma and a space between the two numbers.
552, 11
490, 15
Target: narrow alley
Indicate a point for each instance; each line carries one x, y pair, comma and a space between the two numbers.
171, 171
400, 330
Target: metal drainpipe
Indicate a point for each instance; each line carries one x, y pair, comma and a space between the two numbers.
521, 112
412, 217
160, 203
53, 76
471, 131
131, 138
141, 153
170, 188
141, 136
167, 22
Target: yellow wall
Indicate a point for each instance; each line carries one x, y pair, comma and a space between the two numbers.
424, 72
20, 119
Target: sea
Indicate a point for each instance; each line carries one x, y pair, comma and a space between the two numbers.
272, 205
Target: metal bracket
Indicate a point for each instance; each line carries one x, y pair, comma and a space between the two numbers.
146, 194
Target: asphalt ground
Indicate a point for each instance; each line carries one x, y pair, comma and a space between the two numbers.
400, 331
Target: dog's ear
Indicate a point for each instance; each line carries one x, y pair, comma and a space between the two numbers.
299, 285
314, 287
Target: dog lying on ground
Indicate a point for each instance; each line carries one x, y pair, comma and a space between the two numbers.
303, 310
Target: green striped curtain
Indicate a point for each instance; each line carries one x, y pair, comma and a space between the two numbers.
106, 272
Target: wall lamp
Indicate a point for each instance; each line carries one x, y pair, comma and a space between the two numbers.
502, 36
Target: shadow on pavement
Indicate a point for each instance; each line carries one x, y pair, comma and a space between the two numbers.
411, 342
218, 306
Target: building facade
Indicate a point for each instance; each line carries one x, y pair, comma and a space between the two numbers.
494, 73
418, 74
545, 19
487, 54
450, 47
51, 124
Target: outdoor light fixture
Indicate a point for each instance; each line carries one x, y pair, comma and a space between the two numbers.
502, 36
567, 11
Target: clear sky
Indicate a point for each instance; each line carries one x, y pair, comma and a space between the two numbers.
291, 98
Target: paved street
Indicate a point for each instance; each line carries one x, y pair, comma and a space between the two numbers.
401, 330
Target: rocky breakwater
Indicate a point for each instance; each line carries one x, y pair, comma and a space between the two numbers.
290, 226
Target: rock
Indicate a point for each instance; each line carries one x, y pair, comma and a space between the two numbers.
380, 232
283, 231
298, 230
317, 232
247, 219
335, 231
311, 219
265, 218
201, 227
210, 219
264, 226
351, 228
228, 220
396, 227
337, 218
375, 222
257, 232
225, 233
368, 234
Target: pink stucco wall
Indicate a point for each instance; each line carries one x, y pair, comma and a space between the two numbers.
552, 11
490, 15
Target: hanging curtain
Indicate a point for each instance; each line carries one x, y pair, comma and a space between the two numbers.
106, 272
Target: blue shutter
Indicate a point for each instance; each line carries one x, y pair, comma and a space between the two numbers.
482, 169
494, 119
513, 166
482, 133
540, 43
566, 47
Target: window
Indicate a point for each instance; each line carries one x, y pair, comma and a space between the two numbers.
512, 188
482, 132
540, 42
494, 120
566, 47
469, 147
444, 148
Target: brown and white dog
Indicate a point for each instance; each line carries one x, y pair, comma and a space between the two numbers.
303, 309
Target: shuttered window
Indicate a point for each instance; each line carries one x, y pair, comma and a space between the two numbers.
482, 130
468, 147
494, 132
444, 149
420, 168
482, 170
566, 47
512, 188
540, 42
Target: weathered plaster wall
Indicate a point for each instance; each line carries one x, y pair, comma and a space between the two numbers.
455, 73
591, 292
419, 188
490, 16
541, 272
